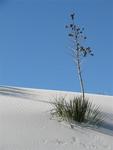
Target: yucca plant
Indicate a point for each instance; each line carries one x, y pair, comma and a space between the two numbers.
79, 50
77, 110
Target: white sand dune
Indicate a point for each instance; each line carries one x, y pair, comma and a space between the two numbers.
26, 123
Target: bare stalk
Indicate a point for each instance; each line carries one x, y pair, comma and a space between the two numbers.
78, 50
80, 78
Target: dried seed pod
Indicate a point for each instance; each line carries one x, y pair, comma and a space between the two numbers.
71, 25
72, 16
66, 26
78, 29
82, 29
70, 34
92, 54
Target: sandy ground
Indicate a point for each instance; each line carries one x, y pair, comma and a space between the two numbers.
26, 123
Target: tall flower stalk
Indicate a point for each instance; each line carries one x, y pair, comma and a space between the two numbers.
79, 51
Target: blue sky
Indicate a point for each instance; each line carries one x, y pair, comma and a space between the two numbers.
34, 46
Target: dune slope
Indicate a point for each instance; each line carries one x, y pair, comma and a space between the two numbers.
26, 123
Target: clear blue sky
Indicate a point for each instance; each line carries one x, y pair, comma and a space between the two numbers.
34, 45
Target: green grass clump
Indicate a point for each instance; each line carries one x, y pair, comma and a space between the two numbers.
77, 110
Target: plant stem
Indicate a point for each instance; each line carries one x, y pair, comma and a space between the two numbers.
80, 77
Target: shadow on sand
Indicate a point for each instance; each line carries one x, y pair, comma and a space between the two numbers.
106, 128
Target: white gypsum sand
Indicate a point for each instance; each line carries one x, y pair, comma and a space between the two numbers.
26, 124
